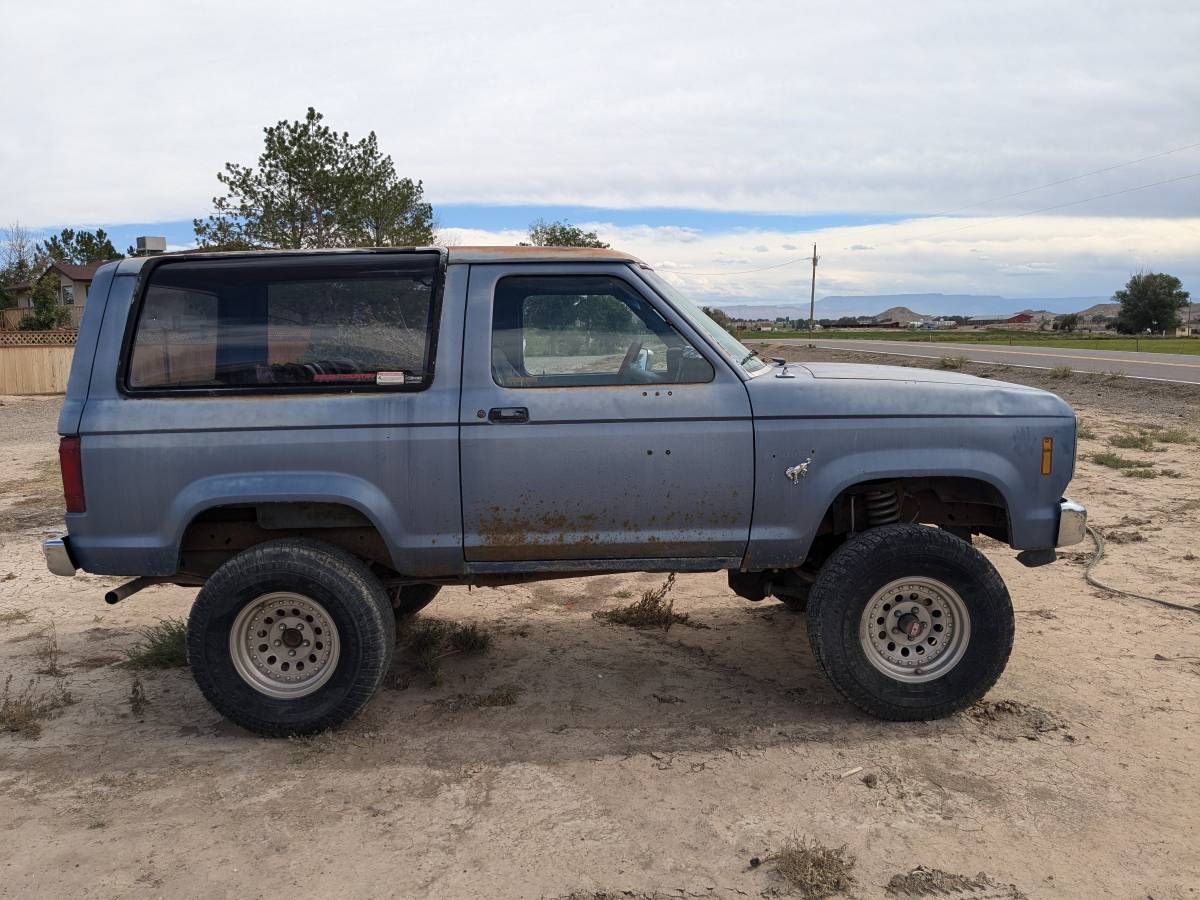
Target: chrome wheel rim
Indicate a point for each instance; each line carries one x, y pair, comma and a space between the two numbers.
915, 629
284, 645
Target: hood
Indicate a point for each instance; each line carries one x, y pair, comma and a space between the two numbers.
853, 389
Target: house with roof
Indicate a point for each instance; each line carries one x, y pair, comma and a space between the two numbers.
73, 283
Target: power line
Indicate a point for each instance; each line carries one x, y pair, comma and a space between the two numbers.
1033, 212
1031, 190
1042, 187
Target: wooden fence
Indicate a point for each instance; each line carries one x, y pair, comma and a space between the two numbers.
35, 362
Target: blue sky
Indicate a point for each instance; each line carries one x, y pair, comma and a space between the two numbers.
717, 141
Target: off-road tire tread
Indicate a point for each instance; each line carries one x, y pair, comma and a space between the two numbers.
368, 603
989, 604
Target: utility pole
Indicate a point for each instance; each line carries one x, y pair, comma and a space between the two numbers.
812, 296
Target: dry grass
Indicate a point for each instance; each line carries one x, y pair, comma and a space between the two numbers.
137, 698
952, 362
923, 882
163, 646
1084, 432
15, 617
504, 695
23, 713
429, 641
653, 610
1116, 461
1061, 372
1131, 441
813, 870
1175, 436
48, 653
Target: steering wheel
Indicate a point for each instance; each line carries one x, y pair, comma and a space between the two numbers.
627, 363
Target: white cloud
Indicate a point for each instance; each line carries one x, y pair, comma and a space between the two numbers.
836, 105
1070, 256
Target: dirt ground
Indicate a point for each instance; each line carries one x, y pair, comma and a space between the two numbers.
632, 764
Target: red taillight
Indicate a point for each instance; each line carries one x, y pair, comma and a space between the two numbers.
71, 463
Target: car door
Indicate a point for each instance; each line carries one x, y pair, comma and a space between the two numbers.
596, 424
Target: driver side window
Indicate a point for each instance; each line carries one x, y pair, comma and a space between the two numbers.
585, 330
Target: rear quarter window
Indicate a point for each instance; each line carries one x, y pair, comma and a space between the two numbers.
285, 323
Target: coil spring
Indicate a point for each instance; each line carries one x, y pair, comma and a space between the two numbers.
883, 507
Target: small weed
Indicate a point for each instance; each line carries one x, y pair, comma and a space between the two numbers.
1130, 441
429, 641
1140, 473
623, 595
304, 748
1112, 374
1084, 432
163, 646
97, 823
48, 653
1175, 436
1170, 473
22, 713
1116, 461
952, 362
813, 870
137, 698
653, 610
14, 617
1061, 372
505, 695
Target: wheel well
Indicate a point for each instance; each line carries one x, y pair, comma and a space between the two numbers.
220, 532
962, 506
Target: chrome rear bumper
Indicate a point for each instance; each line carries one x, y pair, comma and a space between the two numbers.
1072, 523
58, 558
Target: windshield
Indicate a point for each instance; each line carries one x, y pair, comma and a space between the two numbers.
734, 349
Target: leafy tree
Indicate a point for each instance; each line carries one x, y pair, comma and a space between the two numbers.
1150, 301
719, 316
1069, 322
80, 247
47, 313
561, 234
314, 187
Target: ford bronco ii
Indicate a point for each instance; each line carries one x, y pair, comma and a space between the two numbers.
320, 440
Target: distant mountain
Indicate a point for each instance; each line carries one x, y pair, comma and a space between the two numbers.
1100, 309
927, 305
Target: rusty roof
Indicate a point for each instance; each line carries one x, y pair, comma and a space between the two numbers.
483, 254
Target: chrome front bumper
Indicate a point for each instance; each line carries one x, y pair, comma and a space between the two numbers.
58, 558
1072, 523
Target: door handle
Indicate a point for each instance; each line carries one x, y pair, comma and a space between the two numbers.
508, 414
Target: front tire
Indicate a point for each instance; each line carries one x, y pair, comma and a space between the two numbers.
910, 622
410, 599
290, 637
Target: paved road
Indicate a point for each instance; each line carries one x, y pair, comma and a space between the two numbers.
1174, 367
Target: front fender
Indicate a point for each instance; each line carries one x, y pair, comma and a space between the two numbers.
840, 453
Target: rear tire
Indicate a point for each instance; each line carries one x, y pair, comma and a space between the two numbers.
304, 671
910, 622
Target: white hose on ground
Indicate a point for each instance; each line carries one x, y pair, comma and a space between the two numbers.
1095, 582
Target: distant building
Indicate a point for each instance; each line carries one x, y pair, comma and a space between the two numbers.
73, 284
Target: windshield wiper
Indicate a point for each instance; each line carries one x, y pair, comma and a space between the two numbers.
749, 356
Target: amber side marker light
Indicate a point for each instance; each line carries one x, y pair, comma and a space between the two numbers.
1047, 454
71, 463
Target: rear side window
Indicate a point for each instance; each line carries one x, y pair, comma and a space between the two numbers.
286, 323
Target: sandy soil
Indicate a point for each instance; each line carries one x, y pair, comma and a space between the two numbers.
651, 763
